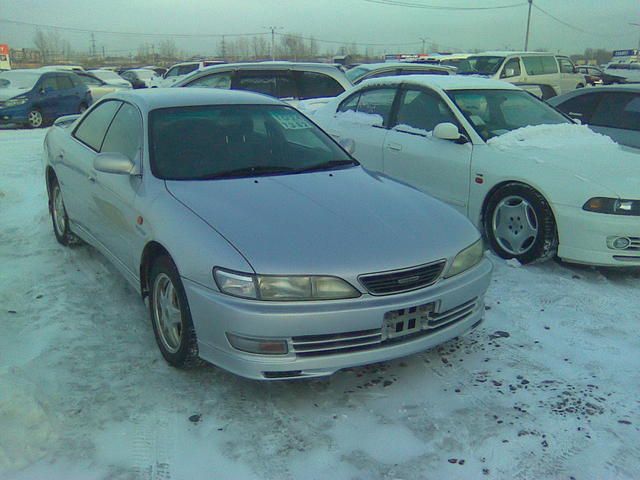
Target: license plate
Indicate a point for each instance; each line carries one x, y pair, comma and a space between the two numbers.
405, 321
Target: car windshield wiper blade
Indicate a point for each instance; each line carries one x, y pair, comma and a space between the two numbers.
327, 165
254, 171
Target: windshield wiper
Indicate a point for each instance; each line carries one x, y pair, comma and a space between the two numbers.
329, 165
254, 171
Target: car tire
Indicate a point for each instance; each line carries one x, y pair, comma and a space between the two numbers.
35, 118
59, 216
580, 85
170, 315
519, 223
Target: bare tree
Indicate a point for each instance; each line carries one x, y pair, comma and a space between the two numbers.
51, 45
168, 49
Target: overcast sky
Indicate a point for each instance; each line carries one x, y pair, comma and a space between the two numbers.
361, 21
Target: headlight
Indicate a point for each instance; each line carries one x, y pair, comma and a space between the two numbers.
612, 206
14, 102
283, 288
466, 259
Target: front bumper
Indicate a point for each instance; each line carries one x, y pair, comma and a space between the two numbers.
214, 314
583, 237
13, 115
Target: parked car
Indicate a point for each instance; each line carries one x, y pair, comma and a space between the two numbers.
629, 71
111, 78
33, 98
596, 76
181, 70
72, 68
289, 81
98, 87
140, 77
611, 110
213, 204
376, 70
526, 68
552, 186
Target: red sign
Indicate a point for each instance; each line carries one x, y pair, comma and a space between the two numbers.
4, 49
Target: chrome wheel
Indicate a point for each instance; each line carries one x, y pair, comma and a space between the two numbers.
59, 212
167, 313
515, 225
35, 118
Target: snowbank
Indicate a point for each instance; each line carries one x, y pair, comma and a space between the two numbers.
551, 137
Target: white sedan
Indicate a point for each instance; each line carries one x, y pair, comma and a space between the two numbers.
534, 181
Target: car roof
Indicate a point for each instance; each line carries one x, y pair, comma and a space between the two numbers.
153, 98
444, 82
427, 65
633, 88
506, 53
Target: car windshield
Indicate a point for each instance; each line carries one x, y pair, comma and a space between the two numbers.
20, 80
355, 73
480, 65
213, 142
495, 112
106, 75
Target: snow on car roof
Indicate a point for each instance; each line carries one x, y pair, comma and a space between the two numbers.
152, 98
444, 82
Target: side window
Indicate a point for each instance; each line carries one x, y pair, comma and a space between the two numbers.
64, 82
511, 69
377, 102
184, 69
422, 111
270, 83
215, 80
618, 110
421, 71
565, 65
383, 73
92, 129
91, 81
581, 107
287, 87
549, 65
350, 104
49, 83
125, 133
172, 72
317, 85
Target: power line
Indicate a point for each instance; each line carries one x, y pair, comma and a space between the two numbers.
413, 4
574, 27
342, 42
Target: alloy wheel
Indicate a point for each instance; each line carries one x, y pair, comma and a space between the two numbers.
167, 313
515, 225
35, 118
59, 212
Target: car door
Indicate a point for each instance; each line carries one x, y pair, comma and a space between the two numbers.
569, 77
75, 168
48, 98
414, 155
512, 71
112, 204
618, 116
364, 117
69, 96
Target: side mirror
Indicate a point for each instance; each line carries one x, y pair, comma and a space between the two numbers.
44, 90
508, 72
446, 131
113, 162
348, 144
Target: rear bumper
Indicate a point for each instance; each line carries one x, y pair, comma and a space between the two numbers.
583, 237
215, 314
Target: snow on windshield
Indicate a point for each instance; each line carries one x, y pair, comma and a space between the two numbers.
551, 137
360, 117
24, 81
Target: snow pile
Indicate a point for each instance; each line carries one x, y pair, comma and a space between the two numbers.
409, 129
552, 137
310, 106
360, 117
26, 430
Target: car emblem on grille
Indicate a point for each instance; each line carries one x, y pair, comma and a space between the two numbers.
404, 281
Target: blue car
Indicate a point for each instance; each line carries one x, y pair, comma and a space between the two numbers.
33, 98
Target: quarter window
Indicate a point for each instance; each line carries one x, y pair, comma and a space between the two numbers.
125, 133
317, 85
92, 129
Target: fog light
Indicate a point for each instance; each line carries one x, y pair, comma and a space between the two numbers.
262, 346
618, 243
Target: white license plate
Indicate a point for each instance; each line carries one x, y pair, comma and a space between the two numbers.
406, 321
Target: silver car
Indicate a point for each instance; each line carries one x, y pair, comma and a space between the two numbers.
261, 245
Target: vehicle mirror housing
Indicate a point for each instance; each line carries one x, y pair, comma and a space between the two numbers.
508, 72
446, 131
348, 144
113, 162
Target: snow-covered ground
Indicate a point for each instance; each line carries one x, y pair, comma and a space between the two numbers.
547, 388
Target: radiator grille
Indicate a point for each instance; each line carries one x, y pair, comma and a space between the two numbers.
397, 281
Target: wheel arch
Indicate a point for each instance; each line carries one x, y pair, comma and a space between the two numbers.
151, 251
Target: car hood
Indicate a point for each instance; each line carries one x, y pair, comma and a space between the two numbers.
341, 222
7, 93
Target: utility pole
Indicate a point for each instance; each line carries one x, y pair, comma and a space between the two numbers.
424, 41
526, 38
93, 44
103, 55
224, 49
636, 25
273, 41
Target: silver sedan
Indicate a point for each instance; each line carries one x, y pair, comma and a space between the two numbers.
260, 244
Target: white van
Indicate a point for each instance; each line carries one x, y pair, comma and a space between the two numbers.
526, 68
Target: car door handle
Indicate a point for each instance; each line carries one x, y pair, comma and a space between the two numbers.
396, 147
91, 178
